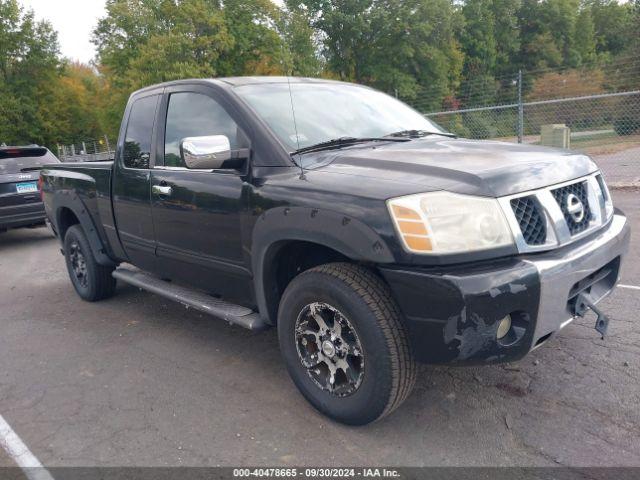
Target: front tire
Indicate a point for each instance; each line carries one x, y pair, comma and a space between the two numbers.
344, 343
91, 280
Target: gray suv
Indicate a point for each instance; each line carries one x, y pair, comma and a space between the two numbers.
20, 201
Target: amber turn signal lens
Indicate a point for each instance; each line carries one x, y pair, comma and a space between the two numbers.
404, 213
418, 244
412, 228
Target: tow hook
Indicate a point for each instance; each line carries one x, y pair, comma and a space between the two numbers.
583, 303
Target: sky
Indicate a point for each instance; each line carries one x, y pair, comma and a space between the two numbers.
74, 20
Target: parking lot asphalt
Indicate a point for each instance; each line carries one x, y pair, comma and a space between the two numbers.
139, 381
621, 167
6, 460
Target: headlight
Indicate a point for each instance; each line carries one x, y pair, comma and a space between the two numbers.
443, 222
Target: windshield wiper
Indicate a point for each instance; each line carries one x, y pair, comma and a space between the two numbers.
345, 142
417, 134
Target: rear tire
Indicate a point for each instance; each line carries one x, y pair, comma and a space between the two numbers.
91, 280
360, 370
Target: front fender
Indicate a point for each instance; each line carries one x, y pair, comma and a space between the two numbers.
278, 226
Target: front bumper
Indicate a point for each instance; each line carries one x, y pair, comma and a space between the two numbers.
22, 215
452, 314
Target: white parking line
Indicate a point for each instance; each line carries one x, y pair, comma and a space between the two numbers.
20, 453
632, 287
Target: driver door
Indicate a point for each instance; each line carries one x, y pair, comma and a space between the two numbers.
197, 212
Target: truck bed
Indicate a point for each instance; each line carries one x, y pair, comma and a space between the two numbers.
84, 188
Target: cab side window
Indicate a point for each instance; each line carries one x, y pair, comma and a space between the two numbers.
195, 115
137, 143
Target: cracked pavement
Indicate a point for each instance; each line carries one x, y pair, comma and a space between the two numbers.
139, 381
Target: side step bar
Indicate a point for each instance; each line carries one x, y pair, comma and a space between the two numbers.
235, 314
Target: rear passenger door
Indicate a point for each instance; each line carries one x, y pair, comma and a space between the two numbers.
198, 225
131, 183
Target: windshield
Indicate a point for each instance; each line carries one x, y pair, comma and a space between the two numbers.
326, 111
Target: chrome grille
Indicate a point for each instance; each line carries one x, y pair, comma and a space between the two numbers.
531, 221
557, 215
575, 190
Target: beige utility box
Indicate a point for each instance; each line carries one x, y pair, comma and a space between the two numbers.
555, 135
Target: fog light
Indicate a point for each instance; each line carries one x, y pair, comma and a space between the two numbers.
503, 327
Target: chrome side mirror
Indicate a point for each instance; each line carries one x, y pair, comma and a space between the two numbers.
205, 152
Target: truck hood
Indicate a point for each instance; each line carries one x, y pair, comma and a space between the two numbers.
487, 168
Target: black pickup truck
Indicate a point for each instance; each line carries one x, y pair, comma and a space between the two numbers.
371, 238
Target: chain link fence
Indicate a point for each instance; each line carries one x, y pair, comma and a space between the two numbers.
93, 150
595, 111
606, 127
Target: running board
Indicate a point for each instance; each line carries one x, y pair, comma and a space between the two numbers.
235, 314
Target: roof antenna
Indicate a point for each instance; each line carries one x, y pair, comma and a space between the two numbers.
295, 126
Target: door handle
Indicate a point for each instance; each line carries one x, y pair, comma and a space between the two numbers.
161, 190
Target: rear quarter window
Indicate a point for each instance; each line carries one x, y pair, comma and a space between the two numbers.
137, 143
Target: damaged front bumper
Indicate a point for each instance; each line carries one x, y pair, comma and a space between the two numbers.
452, 313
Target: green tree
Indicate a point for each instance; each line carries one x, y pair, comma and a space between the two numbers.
123, 31
558, 19
345, 27
69, 109
507, 35
302, 45
539, 47
414, 51
404, 47
585, 36
635, 27
29, 63
142, 42
614, 24
548, 33
257, 47
478, 38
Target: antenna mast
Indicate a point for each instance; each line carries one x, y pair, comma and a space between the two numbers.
295, 126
